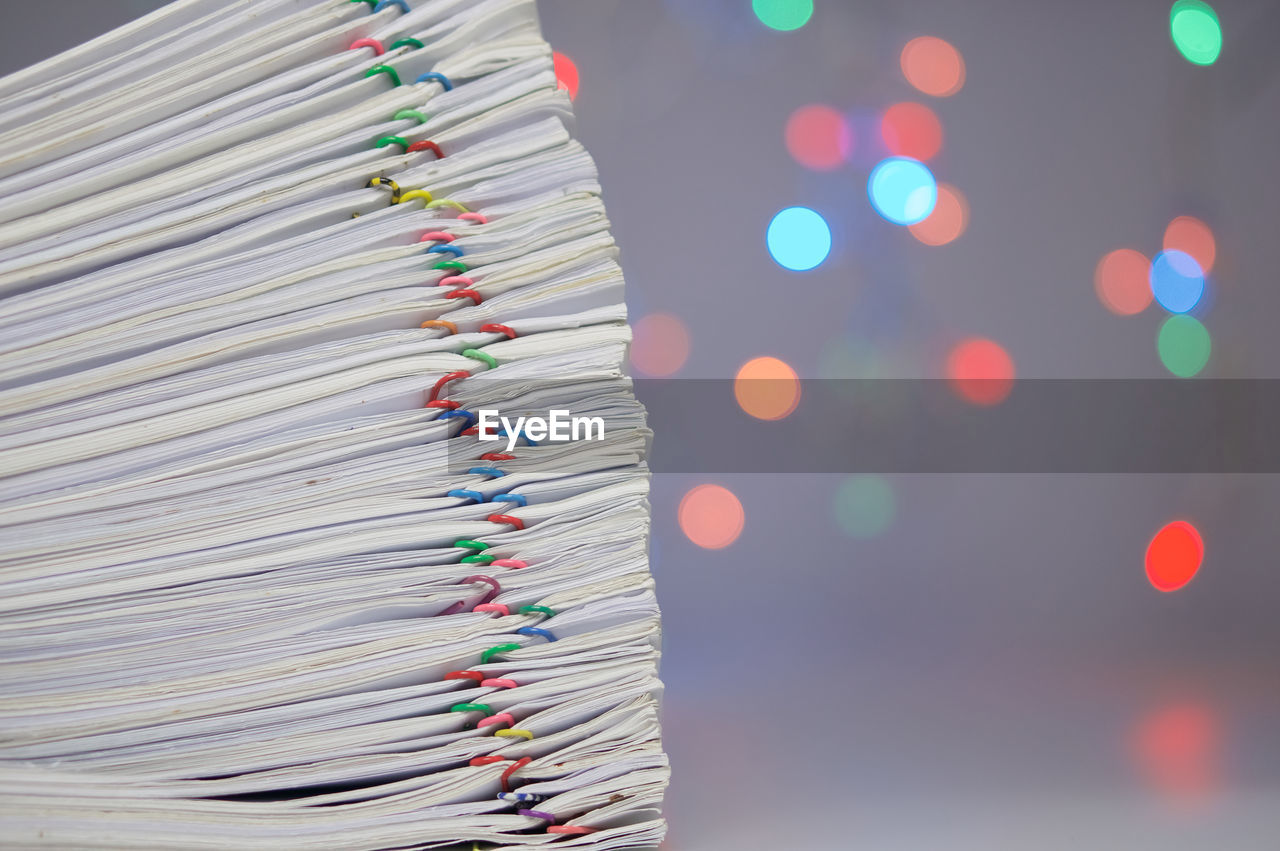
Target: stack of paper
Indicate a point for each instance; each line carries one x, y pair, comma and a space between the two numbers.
275, 572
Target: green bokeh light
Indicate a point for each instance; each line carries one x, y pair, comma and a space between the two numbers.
851, 357
1194, 27
864, 506
1184, 345
783, 14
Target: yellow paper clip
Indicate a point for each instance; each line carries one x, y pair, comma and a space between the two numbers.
511, 734
417, 193
448, 202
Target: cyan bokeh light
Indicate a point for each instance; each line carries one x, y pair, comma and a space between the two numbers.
798, 239
1177, 281
902, 190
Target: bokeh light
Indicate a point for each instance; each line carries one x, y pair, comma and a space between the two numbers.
850, 357
864, 506
1194, 28
566, 73
711, 516
1184, 345
911, 130
1192, 236
933, 66
767, 388
1177, 281
819, 137
798, 239
902, 190
659, 344
1122, 281
1178, 750
948, 220
1174, 556
783, 14
981, 371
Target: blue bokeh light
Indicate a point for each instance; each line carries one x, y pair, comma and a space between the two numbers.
798, 238
902, 190
1177, 281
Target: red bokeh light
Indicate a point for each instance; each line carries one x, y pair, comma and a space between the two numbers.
1194, 237
711, 516
819, 137
1122, 283
911, 130
1174, 556
948, 220
981, 371
933, 66
1177, 749
566, 73
659, 344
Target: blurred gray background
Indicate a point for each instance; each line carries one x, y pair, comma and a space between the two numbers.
992, 669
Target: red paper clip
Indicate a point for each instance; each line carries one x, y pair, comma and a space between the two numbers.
471, 294
426, 145
506, 775
445, 379
464, 675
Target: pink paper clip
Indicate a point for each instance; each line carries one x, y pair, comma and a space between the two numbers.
499, 682
500, 718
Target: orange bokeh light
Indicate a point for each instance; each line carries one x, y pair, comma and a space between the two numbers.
911, 130
1122, 282
659, 344
1174, 556
948, 220
818, 137
767, 388
711, 516
1177, 749
566, 73
933, 66
1194, 237
981, 371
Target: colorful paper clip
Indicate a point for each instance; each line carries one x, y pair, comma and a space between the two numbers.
368, 42
384, 69
388, 183
488, 359
494, 651
437, 77
520, 763
445, 379
465, 675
